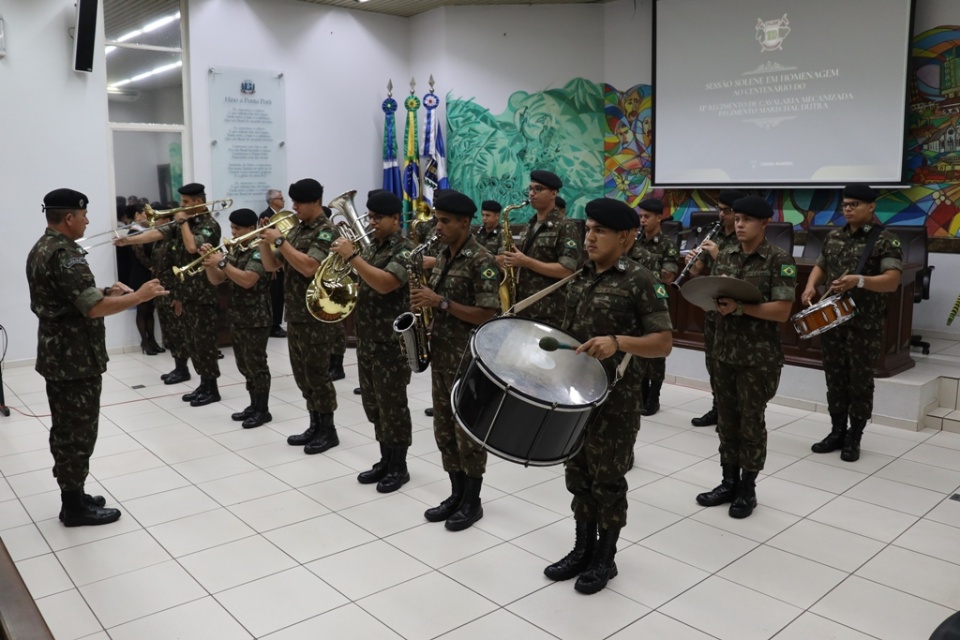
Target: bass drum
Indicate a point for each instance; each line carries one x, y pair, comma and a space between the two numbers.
522, 403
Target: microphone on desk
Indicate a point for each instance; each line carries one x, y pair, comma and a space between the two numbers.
549, 343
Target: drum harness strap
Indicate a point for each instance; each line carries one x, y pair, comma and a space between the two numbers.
872, 236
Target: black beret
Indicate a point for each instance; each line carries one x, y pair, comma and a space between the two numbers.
455, 203
729, 196
860, 192
373, 191
613, 214
244, 218
753, 206
306, 190
384, 203
192, 189
491, 205
561, 203
547, 179
653, 205
65, 199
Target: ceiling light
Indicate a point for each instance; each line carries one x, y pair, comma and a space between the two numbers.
153, 26
147, 74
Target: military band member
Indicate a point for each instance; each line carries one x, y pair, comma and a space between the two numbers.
850, 350
490, 234
725, 237
163, 259
420, 232
309, 341
463, 293
384, 372
71, 348
275, 205
748, 355
615, 307
652, 238
561, 206
248, 313
549, 250
339, 349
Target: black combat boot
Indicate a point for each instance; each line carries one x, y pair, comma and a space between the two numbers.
336, 368
851, 444
240, 416
206, 394
379, 469
602, 568
651, 403
261, 413
835, 438
304, 438
190, 397
325, 438
470, 509
575, 562
180, 372
746, 500
446, 508
428, 412
397, 474
77, 512
708, 419
726, 491
94, 501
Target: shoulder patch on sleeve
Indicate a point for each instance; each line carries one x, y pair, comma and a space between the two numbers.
72, 262
895, 242
206, 233
661, 291
788, 271
489, 273
255, 256
325, 235
571, 243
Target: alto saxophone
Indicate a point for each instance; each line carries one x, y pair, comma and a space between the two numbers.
508, 285
411, 326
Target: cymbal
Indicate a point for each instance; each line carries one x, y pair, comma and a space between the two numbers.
704, 290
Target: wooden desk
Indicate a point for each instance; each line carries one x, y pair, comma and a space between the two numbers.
895, 357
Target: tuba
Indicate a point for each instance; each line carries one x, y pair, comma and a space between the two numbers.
508, 286
411, 327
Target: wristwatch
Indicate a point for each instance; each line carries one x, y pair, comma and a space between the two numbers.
444, 304
861, 283
279, 241
223, 262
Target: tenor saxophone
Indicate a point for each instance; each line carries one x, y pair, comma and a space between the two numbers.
411, 326
508, 285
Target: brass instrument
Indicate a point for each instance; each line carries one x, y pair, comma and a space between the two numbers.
214, 207
508, 285
345, 216
411, 326
283, 221
695, 255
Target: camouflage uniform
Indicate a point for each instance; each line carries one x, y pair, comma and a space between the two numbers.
557, 239
490, 240
623, 300
384, 372
850, 350
250, 318
164, 258
665, 253
71, 351
309, 341
199, 297
710, 318
339, 346
645, 259
749, 355
470, 278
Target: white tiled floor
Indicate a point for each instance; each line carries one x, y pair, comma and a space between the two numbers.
229, 533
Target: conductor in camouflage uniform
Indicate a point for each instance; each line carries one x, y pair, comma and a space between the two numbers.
748, 354
249, 313
309, 341
71, 347
725, 237
490, 234
384, 372
850, 350
614, 307
463, 293
652, 238
549, 250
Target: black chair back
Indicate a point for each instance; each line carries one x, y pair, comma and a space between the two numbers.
816, 236
671, 229
914, 244
780, 234
700, 224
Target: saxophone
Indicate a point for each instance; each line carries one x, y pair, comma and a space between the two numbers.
508, 285
411, 326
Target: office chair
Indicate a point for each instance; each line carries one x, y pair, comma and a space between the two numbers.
816, 236
913, 239
780, 234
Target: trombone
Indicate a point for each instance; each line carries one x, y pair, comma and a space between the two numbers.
213, 207
283, 221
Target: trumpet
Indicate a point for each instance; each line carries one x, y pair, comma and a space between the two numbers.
508, 286
213, 207
283, 221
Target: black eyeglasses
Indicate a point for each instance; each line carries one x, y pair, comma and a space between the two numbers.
725, 209
535, 188
850, 205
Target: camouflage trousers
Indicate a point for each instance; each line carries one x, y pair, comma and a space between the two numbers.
250, 351
384, 376
742, 397
849, 356
596, 474
339, 341
200, 320
709, 334
656, 370
458, 451
309, 344
172, 327
75, 418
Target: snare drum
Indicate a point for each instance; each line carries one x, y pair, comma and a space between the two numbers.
522, 403
825, 315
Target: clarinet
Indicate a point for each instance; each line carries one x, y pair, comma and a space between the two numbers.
695, 255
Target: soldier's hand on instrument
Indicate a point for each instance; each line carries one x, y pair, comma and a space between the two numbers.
726, 306
844, 283
711, 248
180, 215
342, 247
423, 297
807, 296
500, 258
120, 242
213, 258
269, 235
601, 347
151, 289
513, 258
429, 262
177, 308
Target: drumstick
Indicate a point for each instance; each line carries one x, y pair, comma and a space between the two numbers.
830, 288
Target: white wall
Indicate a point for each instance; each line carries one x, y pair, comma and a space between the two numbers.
627, 43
